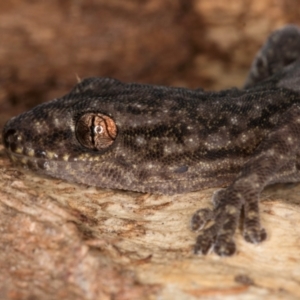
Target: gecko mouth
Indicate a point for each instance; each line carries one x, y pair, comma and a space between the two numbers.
20, 149
32, 163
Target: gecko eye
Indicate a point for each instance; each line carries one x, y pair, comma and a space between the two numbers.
95, 131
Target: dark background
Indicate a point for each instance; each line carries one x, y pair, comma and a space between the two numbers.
45, 45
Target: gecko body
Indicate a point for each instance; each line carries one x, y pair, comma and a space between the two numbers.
169, 140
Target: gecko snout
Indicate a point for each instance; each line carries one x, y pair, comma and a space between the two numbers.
11, 138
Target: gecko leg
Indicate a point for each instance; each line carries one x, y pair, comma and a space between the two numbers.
279, 147
281, 49
252, 230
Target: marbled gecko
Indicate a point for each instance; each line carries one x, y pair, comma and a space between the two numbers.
168, 140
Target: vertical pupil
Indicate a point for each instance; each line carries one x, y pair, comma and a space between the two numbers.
92, 130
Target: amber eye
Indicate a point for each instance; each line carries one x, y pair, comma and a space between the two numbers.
96, 131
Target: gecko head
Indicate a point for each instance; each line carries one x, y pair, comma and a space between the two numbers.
102, 133
86, 124
93, 131
62, 130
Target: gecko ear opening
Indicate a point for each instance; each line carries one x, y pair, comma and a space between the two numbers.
95, 131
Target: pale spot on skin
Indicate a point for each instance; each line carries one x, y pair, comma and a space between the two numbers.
140, 140
57, 122
244, 138
24, 160
191, 142
43, 153
82, 157
173, 148
232, 210
234, 120
167, 150
51, 155
251, 215
72, 128
31, 152
218, 140
19, 150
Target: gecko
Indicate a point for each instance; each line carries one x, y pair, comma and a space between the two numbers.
172, 140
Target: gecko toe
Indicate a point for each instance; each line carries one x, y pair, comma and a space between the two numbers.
200, 218
222, 245
225, 246
255, 235
203, 244
223, 222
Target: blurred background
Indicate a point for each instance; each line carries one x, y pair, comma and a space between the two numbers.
45, 45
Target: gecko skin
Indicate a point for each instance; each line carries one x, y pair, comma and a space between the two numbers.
169, 140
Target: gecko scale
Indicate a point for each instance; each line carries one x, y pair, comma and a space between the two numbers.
169, 140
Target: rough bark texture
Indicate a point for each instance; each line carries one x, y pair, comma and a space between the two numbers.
64, 241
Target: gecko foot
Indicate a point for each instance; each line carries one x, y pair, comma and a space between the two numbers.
222, 245
218, 235
255, 236
200, 218
217, 226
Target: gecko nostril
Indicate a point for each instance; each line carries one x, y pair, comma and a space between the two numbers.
9, 137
